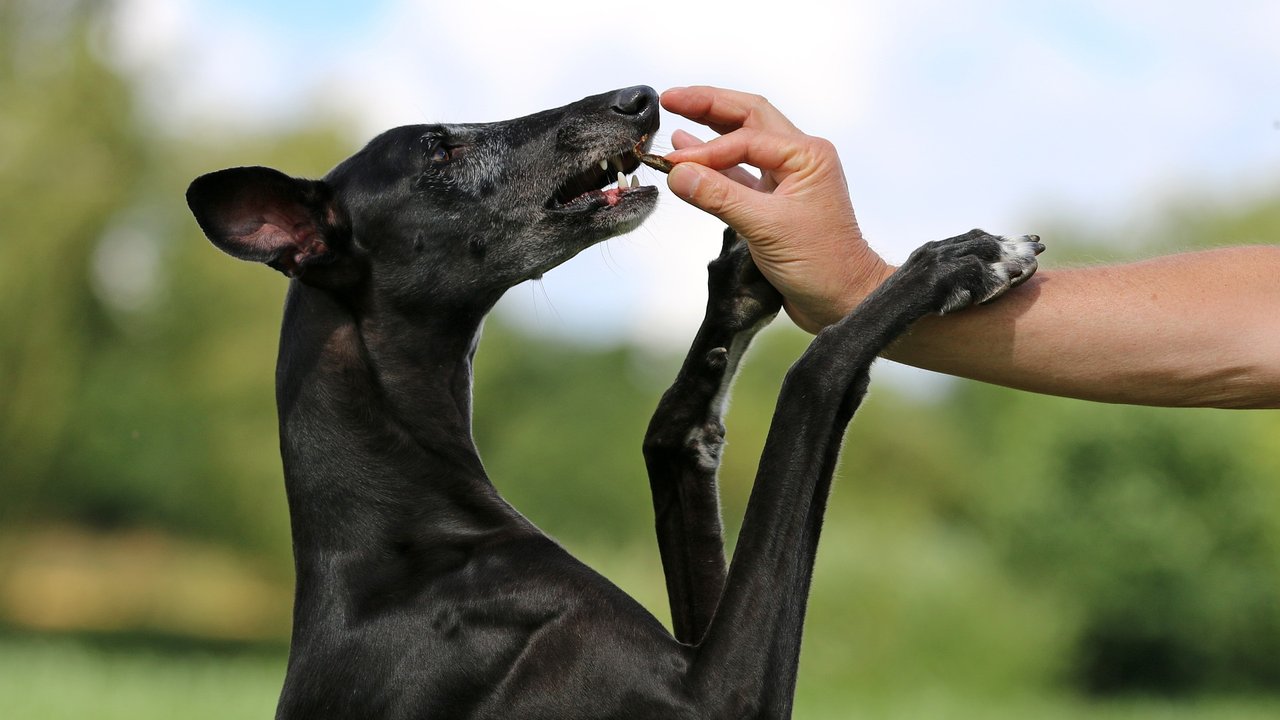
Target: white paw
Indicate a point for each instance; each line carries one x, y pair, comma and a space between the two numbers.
1017, 262
1015, 265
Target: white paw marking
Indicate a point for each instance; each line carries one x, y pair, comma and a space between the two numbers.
1017, 263
706, 448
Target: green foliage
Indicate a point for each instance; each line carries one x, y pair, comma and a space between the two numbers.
559, 429
137, 363
69, 155
1160, 528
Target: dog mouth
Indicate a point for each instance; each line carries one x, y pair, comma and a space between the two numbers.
604, 183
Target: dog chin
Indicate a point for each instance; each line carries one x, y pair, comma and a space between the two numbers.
594, 219
623, 212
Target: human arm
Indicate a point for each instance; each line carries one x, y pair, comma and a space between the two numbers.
1195, 329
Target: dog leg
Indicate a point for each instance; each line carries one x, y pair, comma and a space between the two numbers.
685, 437
746, 664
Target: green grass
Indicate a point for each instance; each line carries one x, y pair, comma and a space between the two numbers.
56, 679
60, 678
948, 705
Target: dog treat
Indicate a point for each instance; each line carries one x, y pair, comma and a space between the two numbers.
657, 162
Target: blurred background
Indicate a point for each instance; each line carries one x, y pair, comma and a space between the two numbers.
1113, 562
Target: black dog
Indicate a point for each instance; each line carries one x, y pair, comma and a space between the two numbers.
420, 592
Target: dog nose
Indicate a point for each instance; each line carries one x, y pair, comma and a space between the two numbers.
640, 100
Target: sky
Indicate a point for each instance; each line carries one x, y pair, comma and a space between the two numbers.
947, 115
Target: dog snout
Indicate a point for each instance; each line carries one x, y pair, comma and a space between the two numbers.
640, 102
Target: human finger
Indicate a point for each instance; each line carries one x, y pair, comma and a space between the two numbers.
681, 139
737, 205
725, 110
777, 155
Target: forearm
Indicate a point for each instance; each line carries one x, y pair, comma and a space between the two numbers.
1196, 329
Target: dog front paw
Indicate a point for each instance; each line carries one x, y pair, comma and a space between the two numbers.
740, 298
975, 268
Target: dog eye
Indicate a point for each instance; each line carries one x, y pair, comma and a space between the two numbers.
435, 150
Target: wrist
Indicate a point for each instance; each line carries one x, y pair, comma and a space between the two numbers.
866, 274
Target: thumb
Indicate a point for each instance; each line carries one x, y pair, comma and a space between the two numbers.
708, 190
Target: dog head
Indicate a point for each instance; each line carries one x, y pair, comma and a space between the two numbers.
443, 214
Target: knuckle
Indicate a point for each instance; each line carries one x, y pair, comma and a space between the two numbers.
715, 197
823, 147
819, 151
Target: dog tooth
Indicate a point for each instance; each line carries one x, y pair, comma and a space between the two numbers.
604, 164
622, 180
635, 181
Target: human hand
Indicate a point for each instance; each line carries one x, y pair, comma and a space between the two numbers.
796, 217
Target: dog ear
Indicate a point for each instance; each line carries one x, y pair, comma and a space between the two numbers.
263, 215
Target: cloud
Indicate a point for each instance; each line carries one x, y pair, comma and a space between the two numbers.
948, 116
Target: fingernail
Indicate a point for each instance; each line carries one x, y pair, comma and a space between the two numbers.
684, 180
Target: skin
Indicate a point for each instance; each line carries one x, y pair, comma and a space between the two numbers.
1183, 330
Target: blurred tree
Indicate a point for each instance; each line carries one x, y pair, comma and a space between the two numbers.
559, 428
69, 157
1159, 528
136, 361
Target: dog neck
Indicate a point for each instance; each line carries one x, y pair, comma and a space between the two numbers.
375, 432
413, 373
